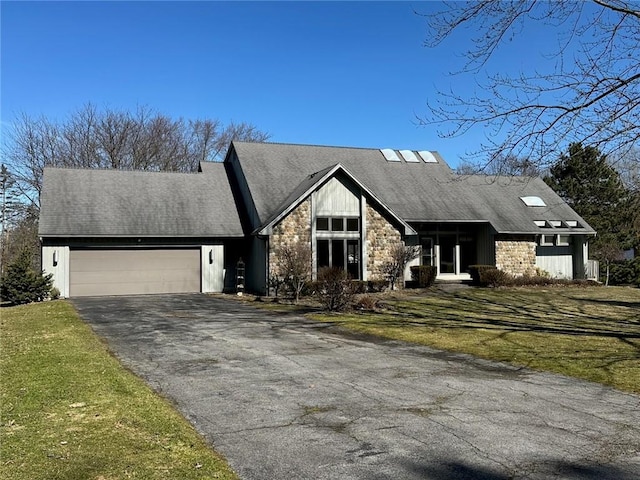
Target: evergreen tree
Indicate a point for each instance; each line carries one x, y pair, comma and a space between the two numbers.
594, 189
22, 284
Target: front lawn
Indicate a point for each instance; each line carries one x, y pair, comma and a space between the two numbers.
70, 411
591, 333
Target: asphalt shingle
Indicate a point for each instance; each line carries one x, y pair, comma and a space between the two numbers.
117, 203
417, 192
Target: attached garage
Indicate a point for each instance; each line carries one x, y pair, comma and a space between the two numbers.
133, 271
116, 232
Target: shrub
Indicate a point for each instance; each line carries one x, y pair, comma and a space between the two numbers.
399, 255
275, 284
377, 286
366, 302
423, 275
334, 289
492, 277
535, 280
359, 286
22, 284
295, 267
54, 294
475, 272
625, 272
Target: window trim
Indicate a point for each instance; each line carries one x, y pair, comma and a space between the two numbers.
543, 242
331, 241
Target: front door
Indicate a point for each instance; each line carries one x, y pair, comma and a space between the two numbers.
447, 253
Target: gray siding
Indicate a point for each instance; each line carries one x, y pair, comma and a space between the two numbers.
557, 260
256, 266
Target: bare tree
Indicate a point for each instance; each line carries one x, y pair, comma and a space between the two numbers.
91, 138
509, 165
400, 255
589, 94
295, 266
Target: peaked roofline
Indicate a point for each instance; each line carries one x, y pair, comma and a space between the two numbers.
311, 183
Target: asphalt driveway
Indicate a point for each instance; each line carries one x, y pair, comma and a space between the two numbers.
283, 397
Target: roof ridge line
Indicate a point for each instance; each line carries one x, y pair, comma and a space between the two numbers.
126, 170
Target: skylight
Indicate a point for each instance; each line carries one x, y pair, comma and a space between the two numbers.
533, 201
409, 156
573, 224
427, 156
390, 155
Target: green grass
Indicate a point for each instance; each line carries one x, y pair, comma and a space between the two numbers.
591, 333
70, 411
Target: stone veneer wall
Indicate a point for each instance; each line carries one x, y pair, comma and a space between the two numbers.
516, 255
293, 229
381, 236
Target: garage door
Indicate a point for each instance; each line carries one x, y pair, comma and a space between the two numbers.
133, 271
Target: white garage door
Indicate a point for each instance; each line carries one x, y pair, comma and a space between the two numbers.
133, 271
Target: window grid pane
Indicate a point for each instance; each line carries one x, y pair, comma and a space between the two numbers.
337, 224
322, 223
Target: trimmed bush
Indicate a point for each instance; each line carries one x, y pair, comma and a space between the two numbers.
476, 270
423, 275
22, 284
492, 277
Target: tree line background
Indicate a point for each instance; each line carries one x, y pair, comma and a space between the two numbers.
143, 139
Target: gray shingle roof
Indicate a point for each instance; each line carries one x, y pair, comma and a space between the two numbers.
418, 192
84, 202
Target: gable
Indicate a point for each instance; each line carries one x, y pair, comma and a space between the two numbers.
346, 187
336, 198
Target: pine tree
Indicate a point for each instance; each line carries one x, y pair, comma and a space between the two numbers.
595, 190
22, 284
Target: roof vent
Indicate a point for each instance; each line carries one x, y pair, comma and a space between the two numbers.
533, 201
390, 155
427, 156
409, 156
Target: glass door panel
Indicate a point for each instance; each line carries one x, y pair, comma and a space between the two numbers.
447, 253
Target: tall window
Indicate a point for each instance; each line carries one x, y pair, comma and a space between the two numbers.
338, 244
427, 251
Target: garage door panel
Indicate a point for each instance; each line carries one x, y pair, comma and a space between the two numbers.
134, 271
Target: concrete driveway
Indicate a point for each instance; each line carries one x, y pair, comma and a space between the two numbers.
283, 397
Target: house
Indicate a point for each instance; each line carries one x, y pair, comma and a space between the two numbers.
107, 232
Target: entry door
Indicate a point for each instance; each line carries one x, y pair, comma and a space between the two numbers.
447, 253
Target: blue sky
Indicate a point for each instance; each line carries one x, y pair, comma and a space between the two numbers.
332, 73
